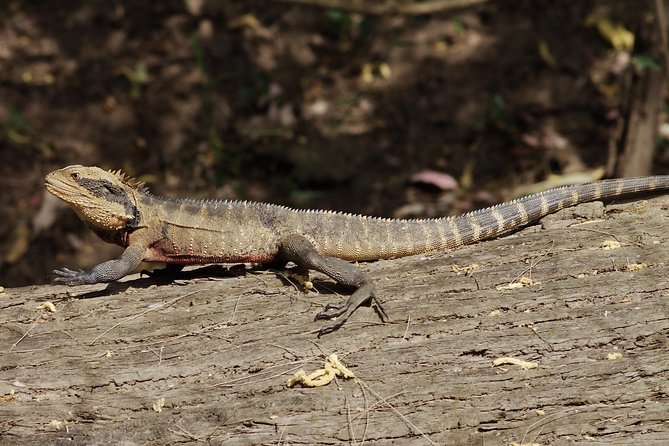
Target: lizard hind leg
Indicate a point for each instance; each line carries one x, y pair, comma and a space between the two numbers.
296, 248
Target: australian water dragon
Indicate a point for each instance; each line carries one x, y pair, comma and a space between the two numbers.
182, 231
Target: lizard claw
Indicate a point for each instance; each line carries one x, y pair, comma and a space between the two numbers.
364, 295
327, 329
333, 310
70, 276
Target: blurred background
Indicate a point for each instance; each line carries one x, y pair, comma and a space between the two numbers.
385, 107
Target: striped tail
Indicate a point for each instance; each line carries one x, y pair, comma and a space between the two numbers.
506, 217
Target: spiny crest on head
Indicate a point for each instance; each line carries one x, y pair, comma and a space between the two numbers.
129, 181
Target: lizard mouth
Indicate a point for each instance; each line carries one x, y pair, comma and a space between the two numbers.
50, 186
56, 187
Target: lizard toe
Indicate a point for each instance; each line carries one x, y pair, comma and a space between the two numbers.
66, 274
327, 329
333, 310
69, 276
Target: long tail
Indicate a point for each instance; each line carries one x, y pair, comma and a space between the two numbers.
355, 237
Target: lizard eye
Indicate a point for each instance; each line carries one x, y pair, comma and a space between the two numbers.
75, 175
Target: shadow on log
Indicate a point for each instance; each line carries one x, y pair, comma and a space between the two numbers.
582, 295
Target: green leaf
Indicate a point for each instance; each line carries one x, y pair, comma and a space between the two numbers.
642, 61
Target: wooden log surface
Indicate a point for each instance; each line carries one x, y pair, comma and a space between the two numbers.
583, 296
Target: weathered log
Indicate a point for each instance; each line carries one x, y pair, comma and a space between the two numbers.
207, 360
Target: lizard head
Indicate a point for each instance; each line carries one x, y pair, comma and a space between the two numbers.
104, 200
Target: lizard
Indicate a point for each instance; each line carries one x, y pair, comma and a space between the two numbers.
121, 210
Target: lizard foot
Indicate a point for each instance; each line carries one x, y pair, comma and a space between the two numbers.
343, 310
71, 277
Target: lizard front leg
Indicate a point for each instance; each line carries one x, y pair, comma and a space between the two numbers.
298, 249
104, 272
